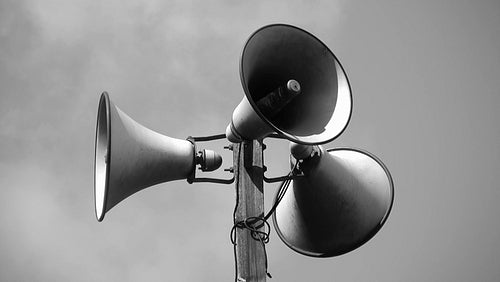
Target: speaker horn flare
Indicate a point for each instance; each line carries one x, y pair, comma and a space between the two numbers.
341, 201
130, 157
280, 55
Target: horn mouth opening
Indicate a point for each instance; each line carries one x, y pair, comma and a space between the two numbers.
102, 159
276, 53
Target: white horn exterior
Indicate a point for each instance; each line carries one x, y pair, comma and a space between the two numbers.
274, 55
341, 202
130, 157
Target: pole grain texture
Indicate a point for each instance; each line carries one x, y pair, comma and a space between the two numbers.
249, 174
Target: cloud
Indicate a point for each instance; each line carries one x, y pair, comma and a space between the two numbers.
173, 66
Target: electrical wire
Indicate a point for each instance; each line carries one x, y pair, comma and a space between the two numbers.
255, 223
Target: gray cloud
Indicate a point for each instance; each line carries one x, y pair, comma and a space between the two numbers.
425, 82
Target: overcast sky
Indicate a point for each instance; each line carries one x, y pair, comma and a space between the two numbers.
425, 77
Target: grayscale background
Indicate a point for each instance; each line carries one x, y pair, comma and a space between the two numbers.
425, 77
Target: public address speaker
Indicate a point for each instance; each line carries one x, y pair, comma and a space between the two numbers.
342, 200
294, 86
130, 157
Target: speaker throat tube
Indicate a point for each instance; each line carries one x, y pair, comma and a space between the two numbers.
271, 104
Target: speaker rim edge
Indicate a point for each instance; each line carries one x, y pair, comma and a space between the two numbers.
107, 103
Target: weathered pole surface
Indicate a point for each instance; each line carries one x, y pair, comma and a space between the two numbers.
249, 174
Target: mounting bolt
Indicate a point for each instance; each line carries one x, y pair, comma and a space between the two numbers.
229, 147
231, 169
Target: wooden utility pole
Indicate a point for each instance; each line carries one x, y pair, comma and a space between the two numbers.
249, 174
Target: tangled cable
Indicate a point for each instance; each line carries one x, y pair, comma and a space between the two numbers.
255, 223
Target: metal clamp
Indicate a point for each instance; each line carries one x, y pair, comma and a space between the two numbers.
192, 177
